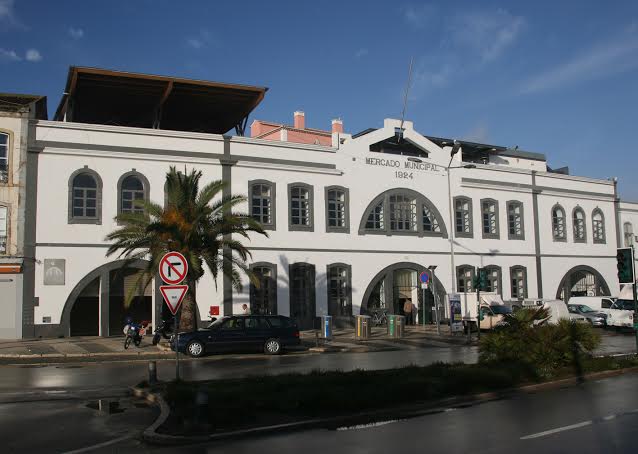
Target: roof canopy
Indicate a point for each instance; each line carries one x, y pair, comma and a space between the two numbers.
100, 96
12, 102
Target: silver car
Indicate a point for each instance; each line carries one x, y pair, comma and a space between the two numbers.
593, 317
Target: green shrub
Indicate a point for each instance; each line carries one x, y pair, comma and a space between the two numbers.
535, 347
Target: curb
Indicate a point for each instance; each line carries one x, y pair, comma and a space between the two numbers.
151, 436
80, 355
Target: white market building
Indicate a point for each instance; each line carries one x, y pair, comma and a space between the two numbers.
350, 225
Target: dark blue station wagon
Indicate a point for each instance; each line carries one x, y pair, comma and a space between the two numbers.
269, 333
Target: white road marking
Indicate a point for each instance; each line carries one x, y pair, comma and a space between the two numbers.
368, 426
100, 445
557, 430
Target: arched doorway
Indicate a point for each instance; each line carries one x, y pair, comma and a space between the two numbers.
582, 280
96, 304
397, 284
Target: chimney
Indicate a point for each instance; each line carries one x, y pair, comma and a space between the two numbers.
337, 125
300, 120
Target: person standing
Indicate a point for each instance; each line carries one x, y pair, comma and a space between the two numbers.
407, 310
245, 309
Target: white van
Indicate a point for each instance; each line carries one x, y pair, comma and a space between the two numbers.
557, 310
595, 302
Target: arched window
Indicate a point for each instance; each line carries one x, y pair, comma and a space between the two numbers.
558, 223
628, 230
261, 199
402, 212
263, 298
463, 217
85, 197
489, 216
464, 278
580, 232
494, 279
515, 222
518, 279
337, 209
598, 226
132, 187
4, 157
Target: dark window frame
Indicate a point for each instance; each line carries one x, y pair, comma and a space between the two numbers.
598, 240
348, 278
578, 209
346, 214
459, 270
463, 233
497, 233
499, 277
5, 179
514, 269
310, 227
513, 204
272, 303
556, 237
421, 201
273, 202
120, 182
97, 220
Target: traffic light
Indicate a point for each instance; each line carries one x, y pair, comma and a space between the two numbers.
480, 280
625, 265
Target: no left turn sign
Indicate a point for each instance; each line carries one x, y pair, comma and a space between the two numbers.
173, 268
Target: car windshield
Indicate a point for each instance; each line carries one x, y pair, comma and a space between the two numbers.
625, 304
585, 309
217, 322
502, 310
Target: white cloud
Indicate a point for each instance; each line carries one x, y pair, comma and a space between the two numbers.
361, 52
33, 55
488, 34
76, 33
418, 16
9, 55
429, 75
613, 57
203, 39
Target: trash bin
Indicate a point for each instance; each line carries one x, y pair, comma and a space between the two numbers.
326, 327
396, 326
362, 328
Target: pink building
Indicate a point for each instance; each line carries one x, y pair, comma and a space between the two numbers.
297, 133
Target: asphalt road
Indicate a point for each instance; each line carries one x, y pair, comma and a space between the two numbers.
597, 417
73, 376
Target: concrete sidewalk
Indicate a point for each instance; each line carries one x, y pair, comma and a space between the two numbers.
76, 347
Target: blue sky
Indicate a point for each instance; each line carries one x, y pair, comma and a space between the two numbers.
552, 77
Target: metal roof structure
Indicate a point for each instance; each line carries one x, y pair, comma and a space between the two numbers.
101, 96
12, 102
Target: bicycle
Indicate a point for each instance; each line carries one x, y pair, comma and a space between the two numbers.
380, 317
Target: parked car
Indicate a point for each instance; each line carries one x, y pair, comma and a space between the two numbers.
493, 315
620, 314
557, 309
594, 317
269, 333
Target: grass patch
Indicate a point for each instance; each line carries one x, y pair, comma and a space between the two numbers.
231, 404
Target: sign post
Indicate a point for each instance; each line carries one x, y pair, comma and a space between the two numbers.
173, 269
424, 278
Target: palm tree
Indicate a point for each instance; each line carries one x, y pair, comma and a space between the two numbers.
197, 223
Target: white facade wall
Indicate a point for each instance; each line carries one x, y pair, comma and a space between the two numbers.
63, 148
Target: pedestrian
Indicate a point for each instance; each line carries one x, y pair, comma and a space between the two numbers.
415, 313
407, 310
245, 309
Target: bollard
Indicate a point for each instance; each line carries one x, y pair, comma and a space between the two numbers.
152, 372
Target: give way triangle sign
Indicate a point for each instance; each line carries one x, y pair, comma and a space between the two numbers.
173, 296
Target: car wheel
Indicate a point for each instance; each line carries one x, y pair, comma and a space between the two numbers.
272, 347
195, 349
